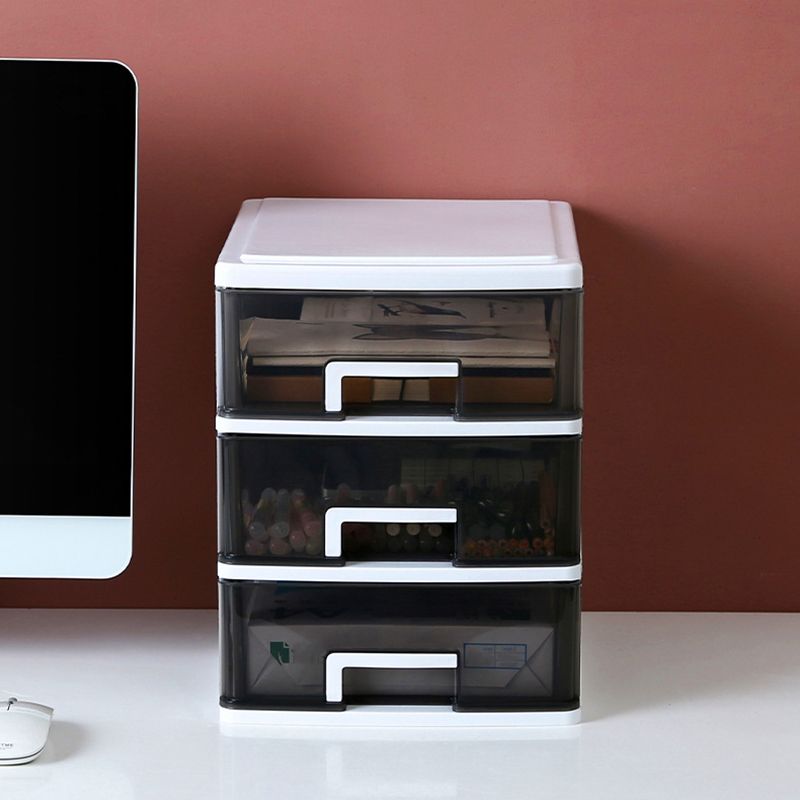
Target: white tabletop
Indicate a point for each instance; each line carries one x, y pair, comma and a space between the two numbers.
676, 706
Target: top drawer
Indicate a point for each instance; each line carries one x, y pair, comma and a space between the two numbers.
469, 309
464, 355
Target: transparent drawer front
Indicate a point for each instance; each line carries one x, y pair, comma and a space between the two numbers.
463, 355
328, 500
321, 646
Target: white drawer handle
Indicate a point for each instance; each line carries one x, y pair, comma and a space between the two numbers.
337, 371
336, 663
334, 517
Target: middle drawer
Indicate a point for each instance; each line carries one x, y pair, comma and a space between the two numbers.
468, 500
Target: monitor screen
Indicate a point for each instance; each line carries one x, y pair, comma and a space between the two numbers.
68, 166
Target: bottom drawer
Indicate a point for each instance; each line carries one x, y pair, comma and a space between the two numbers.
475, 647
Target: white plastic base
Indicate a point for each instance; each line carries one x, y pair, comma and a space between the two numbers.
400, 717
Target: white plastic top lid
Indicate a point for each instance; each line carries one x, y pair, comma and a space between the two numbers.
401, 245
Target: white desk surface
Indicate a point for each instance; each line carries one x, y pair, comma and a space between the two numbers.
677, 706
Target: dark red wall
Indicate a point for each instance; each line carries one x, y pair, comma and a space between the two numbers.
671, 126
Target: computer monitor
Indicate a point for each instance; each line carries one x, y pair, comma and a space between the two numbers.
68, 243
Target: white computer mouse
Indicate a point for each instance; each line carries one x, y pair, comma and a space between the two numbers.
23, 730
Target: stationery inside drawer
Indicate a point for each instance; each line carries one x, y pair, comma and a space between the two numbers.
477, 647
462, 355
465, 500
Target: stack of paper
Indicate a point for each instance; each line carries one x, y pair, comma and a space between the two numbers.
482, 332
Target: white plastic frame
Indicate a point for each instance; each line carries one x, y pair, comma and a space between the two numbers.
487, 274
420, 427
397, 572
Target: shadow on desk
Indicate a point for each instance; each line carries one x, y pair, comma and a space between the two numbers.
66, 739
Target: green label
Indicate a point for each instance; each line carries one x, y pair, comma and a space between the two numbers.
281, 652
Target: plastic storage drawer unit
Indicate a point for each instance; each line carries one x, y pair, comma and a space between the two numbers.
422, 649
470, 309
399, 420
510, 500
